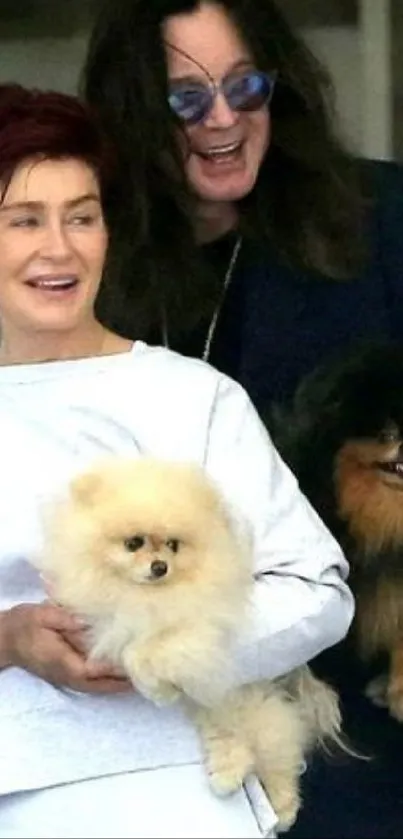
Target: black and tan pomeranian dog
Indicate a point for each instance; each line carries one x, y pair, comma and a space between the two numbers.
343, 438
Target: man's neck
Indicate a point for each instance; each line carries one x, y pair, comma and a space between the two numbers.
214, 219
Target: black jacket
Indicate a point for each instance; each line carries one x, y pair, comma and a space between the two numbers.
278, 323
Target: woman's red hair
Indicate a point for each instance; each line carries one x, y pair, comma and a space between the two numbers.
48, 125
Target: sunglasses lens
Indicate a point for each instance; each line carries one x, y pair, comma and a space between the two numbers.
249, 91
190, 102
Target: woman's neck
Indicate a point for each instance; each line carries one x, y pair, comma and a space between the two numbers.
22, 348
214, 219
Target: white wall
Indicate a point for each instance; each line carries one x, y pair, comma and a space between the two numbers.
397, 75
340, 49
43, 62
376, 32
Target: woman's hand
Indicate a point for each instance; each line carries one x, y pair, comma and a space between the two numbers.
46, 640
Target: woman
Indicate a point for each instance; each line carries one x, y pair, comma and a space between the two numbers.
82, 753
233, 189
246, 235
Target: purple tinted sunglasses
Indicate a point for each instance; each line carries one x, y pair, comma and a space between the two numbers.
244, 90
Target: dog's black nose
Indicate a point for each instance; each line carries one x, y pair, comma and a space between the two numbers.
159, 568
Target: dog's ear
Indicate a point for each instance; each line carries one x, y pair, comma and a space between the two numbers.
86, 488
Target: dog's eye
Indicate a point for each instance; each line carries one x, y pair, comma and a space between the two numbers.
389, 434
134, 543
173, 545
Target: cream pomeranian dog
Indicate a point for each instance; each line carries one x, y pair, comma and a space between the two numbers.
148, 553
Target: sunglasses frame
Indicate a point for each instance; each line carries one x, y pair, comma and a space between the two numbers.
214, 88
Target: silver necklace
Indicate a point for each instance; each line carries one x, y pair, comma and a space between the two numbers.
217, 311
216, 314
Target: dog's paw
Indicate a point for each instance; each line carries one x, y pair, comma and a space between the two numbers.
387, 694
286, 807
395, 701
282, 789
377, 691
142, 673
161, 693
287, 815
228, 768
225, 782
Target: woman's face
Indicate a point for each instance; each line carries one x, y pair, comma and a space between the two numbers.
224, 150
52, 247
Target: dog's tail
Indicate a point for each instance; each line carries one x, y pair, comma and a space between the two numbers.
319, 707
318, 704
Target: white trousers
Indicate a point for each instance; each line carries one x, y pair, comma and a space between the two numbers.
167, 803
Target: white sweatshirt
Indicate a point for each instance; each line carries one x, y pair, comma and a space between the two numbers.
58, 417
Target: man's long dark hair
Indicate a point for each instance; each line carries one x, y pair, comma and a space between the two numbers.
306, 203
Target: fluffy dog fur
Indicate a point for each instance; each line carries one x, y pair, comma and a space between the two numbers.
147, 552
343, 438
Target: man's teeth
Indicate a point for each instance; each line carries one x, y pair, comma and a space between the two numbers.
217, 151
